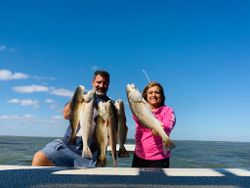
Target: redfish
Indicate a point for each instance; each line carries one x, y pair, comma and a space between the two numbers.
122, 129
75, 110
106, 131
86, 121
141, 110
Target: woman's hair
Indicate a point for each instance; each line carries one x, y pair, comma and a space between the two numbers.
152, 84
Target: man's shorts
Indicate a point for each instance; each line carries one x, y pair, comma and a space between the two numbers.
61, 155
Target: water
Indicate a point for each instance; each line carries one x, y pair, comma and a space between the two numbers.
17, 150
211, 154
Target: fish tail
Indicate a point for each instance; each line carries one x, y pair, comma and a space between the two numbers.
115, 163
165, 149
72, 140
123, 153
168, 145
101, 162
87, 154
165, 146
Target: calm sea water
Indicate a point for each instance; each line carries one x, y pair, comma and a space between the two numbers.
17, 150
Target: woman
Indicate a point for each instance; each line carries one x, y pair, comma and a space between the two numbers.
148, 144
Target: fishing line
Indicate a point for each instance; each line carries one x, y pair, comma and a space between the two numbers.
146, 74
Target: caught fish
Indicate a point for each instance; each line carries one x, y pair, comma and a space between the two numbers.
106, 131
122, 129
75, 109
141, 109
112, 119
101, 132
86, 121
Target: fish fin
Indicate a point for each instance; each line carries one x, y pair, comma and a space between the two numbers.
168, 146
172, 145
101, 162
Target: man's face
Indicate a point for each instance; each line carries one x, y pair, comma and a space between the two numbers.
101, 84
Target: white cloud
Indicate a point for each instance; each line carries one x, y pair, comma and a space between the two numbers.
3, 117
17, 117
33, 122
28, 116
95, 67
7, 49
49, 100
29, 125
32, 119
52, 104
56, 117
61, 92
8, 75
19, 75
25, 102
54, 107
31, 88
2, 47
41, 88
40, 78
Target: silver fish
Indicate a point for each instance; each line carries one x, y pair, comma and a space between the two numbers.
122, 128
75, 108
86, 121
106, 131
141, 109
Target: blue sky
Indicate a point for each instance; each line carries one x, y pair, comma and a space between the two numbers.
198, 50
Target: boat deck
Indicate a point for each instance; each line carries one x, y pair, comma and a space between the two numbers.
28, 176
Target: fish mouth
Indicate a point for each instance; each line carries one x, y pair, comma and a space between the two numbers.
131, 86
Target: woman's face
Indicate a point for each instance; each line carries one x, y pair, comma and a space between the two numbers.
154, 96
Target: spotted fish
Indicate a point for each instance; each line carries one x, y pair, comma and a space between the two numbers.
86, 121
122, 129
75, 109
141, 109
106, 131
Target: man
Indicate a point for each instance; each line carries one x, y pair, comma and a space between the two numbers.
60, 152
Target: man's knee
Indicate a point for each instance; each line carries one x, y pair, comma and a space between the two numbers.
40, 159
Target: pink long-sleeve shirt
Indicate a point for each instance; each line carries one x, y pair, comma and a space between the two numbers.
149, 146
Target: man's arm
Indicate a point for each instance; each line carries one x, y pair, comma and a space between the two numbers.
66, 111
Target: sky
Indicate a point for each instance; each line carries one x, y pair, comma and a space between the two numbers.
198, 50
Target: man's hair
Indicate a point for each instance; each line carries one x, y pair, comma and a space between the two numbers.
103, 73
152, 84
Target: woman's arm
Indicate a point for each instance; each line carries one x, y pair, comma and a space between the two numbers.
169, 120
